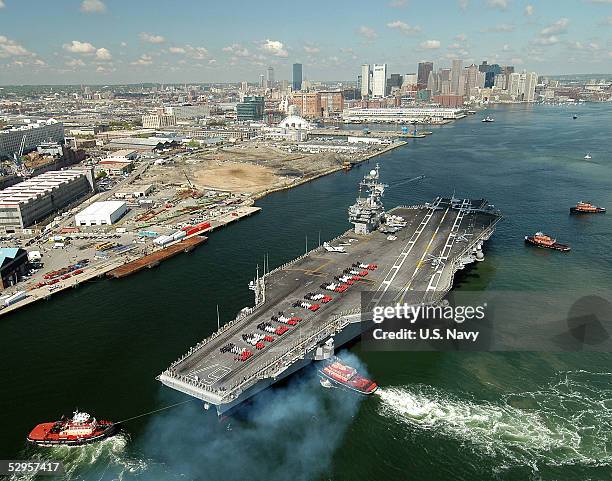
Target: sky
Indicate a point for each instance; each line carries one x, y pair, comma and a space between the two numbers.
132, 41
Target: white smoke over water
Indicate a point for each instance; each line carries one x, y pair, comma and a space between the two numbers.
568, 422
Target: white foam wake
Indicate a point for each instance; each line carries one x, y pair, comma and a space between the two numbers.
569, 422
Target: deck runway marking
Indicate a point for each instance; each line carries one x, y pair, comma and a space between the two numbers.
420, 262
384, 286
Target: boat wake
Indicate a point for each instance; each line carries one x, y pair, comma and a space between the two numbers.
91, 461
569, 422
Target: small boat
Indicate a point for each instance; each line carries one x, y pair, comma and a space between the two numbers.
347, 165
334, 371
575, 116
80, 430
587, 208
488, 119
542, 240
587, 157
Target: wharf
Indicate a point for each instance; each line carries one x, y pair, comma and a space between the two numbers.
156, 257
371, 134
45, 292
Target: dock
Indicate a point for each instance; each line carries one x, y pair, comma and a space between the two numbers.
395, 134
156, 257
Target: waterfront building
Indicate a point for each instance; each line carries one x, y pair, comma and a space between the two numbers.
29, 136
308, 104
424, 69
418, 114
101, 213
250, 109
449, 100
379, 80
35, 199
366, 81
297, 77
332, 102
13, 265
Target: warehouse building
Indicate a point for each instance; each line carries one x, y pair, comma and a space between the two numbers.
33, 200
29, 136
13, 265
101, 213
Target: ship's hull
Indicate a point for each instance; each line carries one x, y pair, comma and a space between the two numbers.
556, 246
47, 442
597, 210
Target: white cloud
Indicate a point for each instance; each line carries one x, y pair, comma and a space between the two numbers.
2, 4
463, 4
367, 32
529, 10
197, 53
143, 60
403, 27
462, 37
151, 38
80, 47
103, 54
506, 48
93, 6
547, 40
124, 44
517, 61
311, 49
398, 3
237, 50
10, 48
499, 28
430, 44
600, 1
501, 4
274, 47
75, 62
560, 26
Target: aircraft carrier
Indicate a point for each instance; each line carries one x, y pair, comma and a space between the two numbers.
311, 306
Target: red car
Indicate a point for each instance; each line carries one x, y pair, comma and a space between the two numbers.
280, 330
327, 299
268, 339
314, 307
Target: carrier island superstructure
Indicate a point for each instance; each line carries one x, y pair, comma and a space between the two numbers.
311, 306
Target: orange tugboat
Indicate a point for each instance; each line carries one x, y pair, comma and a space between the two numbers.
587, 208
80, 430
346, 376
542, 240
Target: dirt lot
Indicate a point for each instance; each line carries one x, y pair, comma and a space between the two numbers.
245, 168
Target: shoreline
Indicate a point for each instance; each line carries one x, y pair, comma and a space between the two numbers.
103, 269
331, 170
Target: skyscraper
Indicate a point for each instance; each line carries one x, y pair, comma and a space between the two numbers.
262, 81
270, 77
379, 80
297, 77
423, 74
456, 74
366, 83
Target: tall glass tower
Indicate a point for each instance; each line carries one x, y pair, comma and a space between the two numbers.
297, 77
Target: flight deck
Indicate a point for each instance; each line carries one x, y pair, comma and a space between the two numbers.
302, 312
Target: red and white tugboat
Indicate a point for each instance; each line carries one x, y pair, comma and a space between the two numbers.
80, 430
587, 208
542, 240
346, 376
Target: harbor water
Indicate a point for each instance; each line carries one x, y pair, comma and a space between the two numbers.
437, 415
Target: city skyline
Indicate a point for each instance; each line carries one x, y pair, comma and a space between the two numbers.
106, 41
